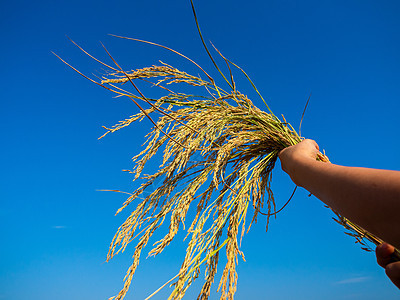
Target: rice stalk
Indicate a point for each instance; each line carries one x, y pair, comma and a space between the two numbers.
219, 151
218, 144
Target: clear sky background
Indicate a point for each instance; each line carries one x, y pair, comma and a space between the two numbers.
54, 224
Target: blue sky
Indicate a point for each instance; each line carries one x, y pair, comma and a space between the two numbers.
56, 226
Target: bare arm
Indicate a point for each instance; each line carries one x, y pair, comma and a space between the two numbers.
368, 197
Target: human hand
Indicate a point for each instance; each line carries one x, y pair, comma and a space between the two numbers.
383, 257
294, 157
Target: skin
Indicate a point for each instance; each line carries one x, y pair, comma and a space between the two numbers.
368, 197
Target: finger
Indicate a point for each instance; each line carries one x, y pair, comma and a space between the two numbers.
312, 142
283, 152
280, 152
393, 272
383, 254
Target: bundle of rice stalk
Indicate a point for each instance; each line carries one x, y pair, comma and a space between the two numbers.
219, 151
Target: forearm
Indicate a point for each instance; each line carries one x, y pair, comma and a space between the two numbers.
368, 197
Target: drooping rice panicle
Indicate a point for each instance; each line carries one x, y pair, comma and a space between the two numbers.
219, 151
217, 145
230, 148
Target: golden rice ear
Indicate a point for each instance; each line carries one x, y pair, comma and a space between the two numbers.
218, 154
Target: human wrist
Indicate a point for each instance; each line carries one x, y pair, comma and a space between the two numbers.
302, 167
298, 169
